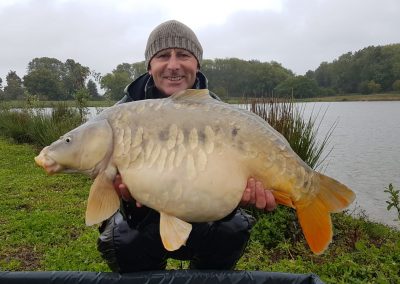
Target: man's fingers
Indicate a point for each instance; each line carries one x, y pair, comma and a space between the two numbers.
260, 196
251, 184
125, 194
245, 198
270, 201
117, 182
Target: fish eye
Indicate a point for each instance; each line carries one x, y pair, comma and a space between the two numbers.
68, 139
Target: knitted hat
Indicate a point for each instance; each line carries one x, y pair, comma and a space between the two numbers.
172, 34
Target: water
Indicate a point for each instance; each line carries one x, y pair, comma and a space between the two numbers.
366, 151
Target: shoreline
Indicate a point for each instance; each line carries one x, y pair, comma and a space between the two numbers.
107, 103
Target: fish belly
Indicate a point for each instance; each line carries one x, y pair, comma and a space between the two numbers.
189, 191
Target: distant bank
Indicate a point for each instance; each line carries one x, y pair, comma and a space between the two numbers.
235, 100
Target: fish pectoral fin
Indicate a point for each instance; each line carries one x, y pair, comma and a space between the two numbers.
174, 232
283, 198
103, 201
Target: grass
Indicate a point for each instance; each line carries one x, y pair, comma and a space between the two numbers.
41, 222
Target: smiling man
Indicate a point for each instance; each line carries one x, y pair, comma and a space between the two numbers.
130, 240
173, 69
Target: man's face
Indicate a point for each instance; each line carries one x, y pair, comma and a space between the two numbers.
173, 70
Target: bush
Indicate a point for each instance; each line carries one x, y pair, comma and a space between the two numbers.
275, 227
36, 126
369, 87
396, 86
327, 92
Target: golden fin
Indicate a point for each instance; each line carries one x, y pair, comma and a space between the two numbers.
174, 232
192, 95
335, 196
316, 224
283, 198
103, 201
315, 218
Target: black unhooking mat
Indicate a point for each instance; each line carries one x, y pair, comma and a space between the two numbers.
153, 277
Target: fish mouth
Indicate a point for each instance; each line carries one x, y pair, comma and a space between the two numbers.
47, 163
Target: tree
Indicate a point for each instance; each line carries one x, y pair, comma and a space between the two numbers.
92, 90
239, 77
14, 89
45, 84
81, 99
44, 78
1, 90
396, 86
299, 86
138, 69
52, 79
352, 72
369, 87
114, 84
74, 76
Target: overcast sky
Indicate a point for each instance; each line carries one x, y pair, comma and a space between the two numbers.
100, 34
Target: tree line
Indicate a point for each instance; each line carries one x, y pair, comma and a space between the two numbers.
370, 70
50, 79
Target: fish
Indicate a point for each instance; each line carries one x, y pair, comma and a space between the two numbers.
189, 156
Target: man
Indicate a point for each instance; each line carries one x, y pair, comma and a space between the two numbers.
130, 240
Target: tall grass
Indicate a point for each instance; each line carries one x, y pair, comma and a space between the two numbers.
288, 119
36, 126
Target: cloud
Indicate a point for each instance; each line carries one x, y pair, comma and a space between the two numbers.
102, 34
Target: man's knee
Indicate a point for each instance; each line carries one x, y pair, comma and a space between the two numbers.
126, 249
224, 243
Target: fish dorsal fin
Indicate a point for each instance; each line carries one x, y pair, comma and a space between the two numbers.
174, 232
192, 95
103, 201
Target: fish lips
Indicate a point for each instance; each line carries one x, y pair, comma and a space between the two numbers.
48, 164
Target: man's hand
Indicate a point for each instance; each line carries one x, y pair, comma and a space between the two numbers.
122, 190
256, 195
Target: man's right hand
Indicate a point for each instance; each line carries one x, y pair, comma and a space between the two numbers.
122, 190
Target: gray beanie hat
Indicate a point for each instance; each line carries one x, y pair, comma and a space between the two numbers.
172, 34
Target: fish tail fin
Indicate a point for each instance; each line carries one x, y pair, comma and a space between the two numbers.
335, 195
315, 218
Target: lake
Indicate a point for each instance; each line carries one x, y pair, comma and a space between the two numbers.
366, 151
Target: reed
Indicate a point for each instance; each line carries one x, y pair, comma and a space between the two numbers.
289, 119
36, 126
